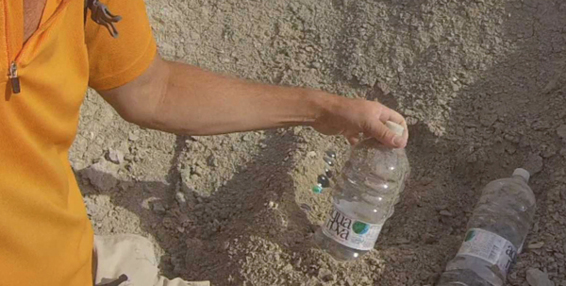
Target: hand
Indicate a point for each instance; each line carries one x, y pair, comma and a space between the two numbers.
353, 117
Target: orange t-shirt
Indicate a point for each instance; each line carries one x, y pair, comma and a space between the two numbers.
45, 235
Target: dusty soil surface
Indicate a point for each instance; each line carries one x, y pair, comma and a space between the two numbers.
481, 82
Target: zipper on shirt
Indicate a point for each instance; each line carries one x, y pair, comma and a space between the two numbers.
13, 69
14, 79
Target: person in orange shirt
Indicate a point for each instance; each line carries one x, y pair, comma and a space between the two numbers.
49, 54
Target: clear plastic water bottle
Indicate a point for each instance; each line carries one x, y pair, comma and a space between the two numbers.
365, 194
496, 233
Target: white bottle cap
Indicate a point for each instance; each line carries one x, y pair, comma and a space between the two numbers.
523, 173
395, 128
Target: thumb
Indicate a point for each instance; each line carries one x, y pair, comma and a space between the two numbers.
379, 131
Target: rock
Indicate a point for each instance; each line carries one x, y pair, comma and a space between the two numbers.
534, 164
325, 275
311, 154
561, 131
446, 213
102, 175
180, 198
536, 277
212, 161
158, 207
133, 136
535, 245
382, 88
306, 207
402, 240
247, 137
488, 118
115, 156
288, 267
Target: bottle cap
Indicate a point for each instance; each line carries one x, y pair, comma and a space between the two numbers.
523, 173
395, 128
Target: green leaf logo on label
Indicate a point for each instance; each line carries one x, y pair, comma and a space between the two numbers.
470, 235
360, 227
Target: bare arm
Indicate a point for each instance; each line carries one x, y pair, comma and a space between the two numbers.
185, 99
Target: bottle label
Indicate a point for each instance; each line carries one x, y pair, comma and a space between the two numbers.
350, 232
490, 247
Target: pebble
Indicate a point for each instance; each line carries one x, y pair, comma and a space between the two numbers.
446, 213
536, 277
402, 240
247, 137
534, 164
115, 156
306, 207
212, 161
102, 175
158, 207
325, 274
180, 197
536, 245
311, 154
133, 137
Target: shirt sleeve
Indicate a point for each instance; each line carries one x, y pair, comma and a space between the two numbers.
116, 61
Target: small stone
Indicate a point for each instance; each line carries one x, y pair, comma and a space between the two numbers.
487, 119
306, 207
311, 154
331, 154
429, 238
446, 213
212, 161
115, 156
383, 88
133, 136
412, 121
288, 267
158, 207
534, 164
536, 245
323, 181
247, 137
402, 240
325, 274
102, 175
536, 277
180, 197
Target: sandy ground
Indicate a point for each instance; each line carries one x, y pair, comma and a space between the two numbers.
481, 82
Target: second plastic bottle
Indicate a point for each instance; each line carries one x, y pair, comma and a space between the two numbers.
496, 233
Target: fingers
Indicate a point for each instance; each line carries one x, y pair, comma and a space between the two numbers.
389, 114
379, 131
353, 138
